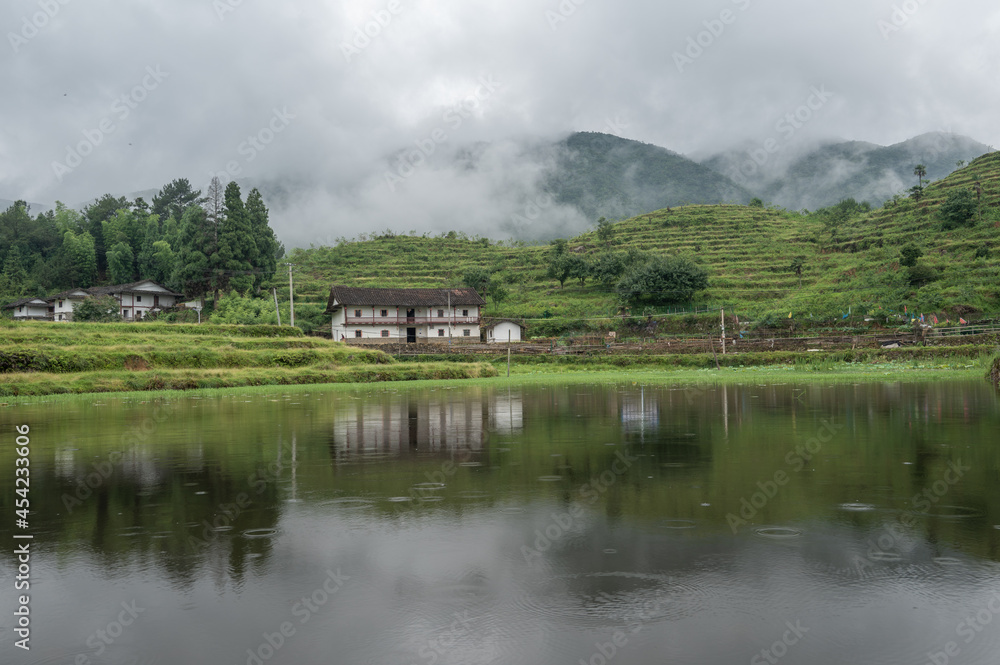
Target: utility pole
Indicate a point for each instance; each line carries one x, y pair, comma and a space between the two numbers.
291, 297
723, 310
274, 291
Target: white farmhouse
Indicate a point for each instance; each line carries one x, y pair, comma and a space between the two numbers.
61, 305
29, 309
394, 315
137, 300
503, 331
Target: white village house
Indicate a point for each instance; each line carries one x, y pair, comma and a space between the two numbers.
503, 330
29, 309
393, 315
137, 301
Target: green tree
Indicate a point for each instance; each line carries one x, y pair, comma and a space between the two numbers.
497, 291
80, 259
144, 260
608, 267
237, 250
605, 230
161, 266
920, 171
121, 264
193, 268
909, 254
756, 203
98, 309
175, 198
798, 263
476, 278
916, 193
578, 267
269, 250
13, 280
920, 274
662, 280
959, 209
559, 268
95, 214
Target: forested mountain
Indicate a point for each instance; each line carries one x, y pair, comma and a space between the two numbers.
192, 243
832, 172
607, 176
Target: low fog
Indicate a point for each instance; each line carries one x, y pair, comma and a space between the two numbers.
431, 116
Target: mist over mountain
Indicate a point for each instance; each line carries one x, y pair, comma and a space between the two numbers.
536, 189
606, 176
824, 174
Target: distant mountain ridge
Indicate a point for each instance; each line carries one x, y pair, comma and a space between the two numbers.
607, 176
832, 172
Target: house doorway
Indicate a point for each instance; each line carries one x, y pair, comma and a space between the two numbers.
411, 314
411, 335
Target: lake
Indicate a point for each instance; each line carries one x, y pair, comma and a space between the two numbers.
535, 523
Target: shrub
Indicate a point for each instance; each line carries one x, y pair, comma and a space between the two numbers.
958, 210
662, 280
98, 309
909, 255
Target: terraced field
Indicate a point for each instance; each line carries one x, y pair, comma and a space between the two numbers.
49, 358
848, 267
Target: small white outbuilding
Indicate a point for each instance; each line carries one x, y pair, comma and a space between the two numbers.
503, 331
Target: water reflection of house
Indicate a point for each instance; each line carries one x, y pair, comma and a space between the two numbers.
639, 411
424, 425
506, 412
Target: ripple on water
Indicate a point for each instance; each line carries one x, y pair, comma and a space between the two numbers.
947, 561
473, 495
778, 532
952, 512
350, 503
857, 507
256, 534
550, 479
677, 524
428, 487
884, 557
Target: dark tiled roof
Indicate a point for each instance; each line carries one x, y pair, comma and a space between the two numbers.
24, 301
495, 322
66, 294
132, 287
349, 295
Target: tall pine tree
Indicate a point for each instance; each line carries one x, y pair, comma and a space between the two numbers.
264, 239
237, 249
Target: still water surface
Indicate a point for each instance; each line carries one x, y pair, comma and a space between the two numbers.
534, 524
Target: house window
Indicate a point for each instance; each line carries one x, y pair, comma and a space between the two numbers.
440, 332
440, 313
385, 333
465, 312
466, 333
385, 312
60, 303
357, 333
125, 314
357, 312
21, 308
138, 298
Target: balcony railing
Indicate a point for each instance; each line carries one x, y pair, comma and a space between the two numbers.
411, 320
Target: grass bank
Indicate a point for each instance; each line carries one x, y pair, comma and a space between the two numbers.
47, 359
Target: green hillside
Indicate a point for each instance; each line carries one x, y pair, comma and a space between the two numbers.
849, 264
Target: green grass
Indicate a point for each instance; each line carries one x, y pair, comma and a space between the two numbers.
49, 358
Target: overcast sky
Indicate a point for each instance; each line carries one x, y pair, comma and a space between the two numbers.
125, 96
